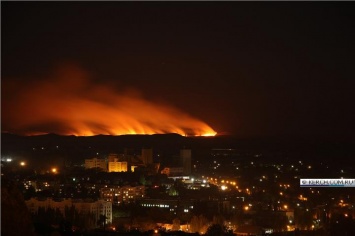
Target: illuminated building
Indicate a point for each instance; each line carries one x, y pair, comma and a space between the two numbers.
195, 184
169, 204
27, 184
126, 194
40, 185
117, 166
98, 208
96, 163
161, 203
185, 157
147, 156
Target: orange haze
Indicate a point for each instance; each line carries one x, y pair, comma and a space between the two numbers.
68, 103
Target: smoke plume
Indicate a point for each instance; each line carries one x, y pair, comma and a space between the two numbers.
67, 102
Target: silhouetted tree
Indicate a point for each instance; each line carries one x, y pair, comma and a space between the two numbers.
173, 191
303, 219
176, 224
216, 230
218, 219
194, 224
198, 224
15, 218
65, 227
102, 221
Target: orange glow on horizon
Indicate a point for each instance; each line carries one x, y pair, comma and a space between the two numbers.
68, 103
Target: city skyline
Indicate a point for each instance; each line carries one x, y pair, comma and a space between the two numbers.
106, 105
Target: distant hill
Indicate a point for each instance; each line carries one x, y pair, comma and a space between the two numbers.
51, 147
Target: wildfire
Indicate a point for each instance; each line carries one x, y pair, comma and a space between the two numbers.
69, 103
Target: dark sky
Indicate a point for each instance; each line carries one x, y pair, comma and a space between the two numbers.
251, 69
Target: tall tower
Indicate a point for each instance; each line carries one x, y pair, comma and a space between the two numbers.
185, 157
147, 156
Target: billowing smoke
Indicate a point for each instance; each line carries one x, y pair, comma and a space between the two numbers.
69, 103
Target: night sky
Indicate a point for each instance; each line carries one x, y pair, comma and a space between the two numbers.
245, 68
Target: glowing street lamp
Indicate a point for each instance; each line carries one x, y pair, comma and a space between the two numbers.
54, 170
22, 163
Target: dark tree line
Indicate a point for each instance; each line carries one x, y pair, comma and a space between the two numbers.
52, 219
